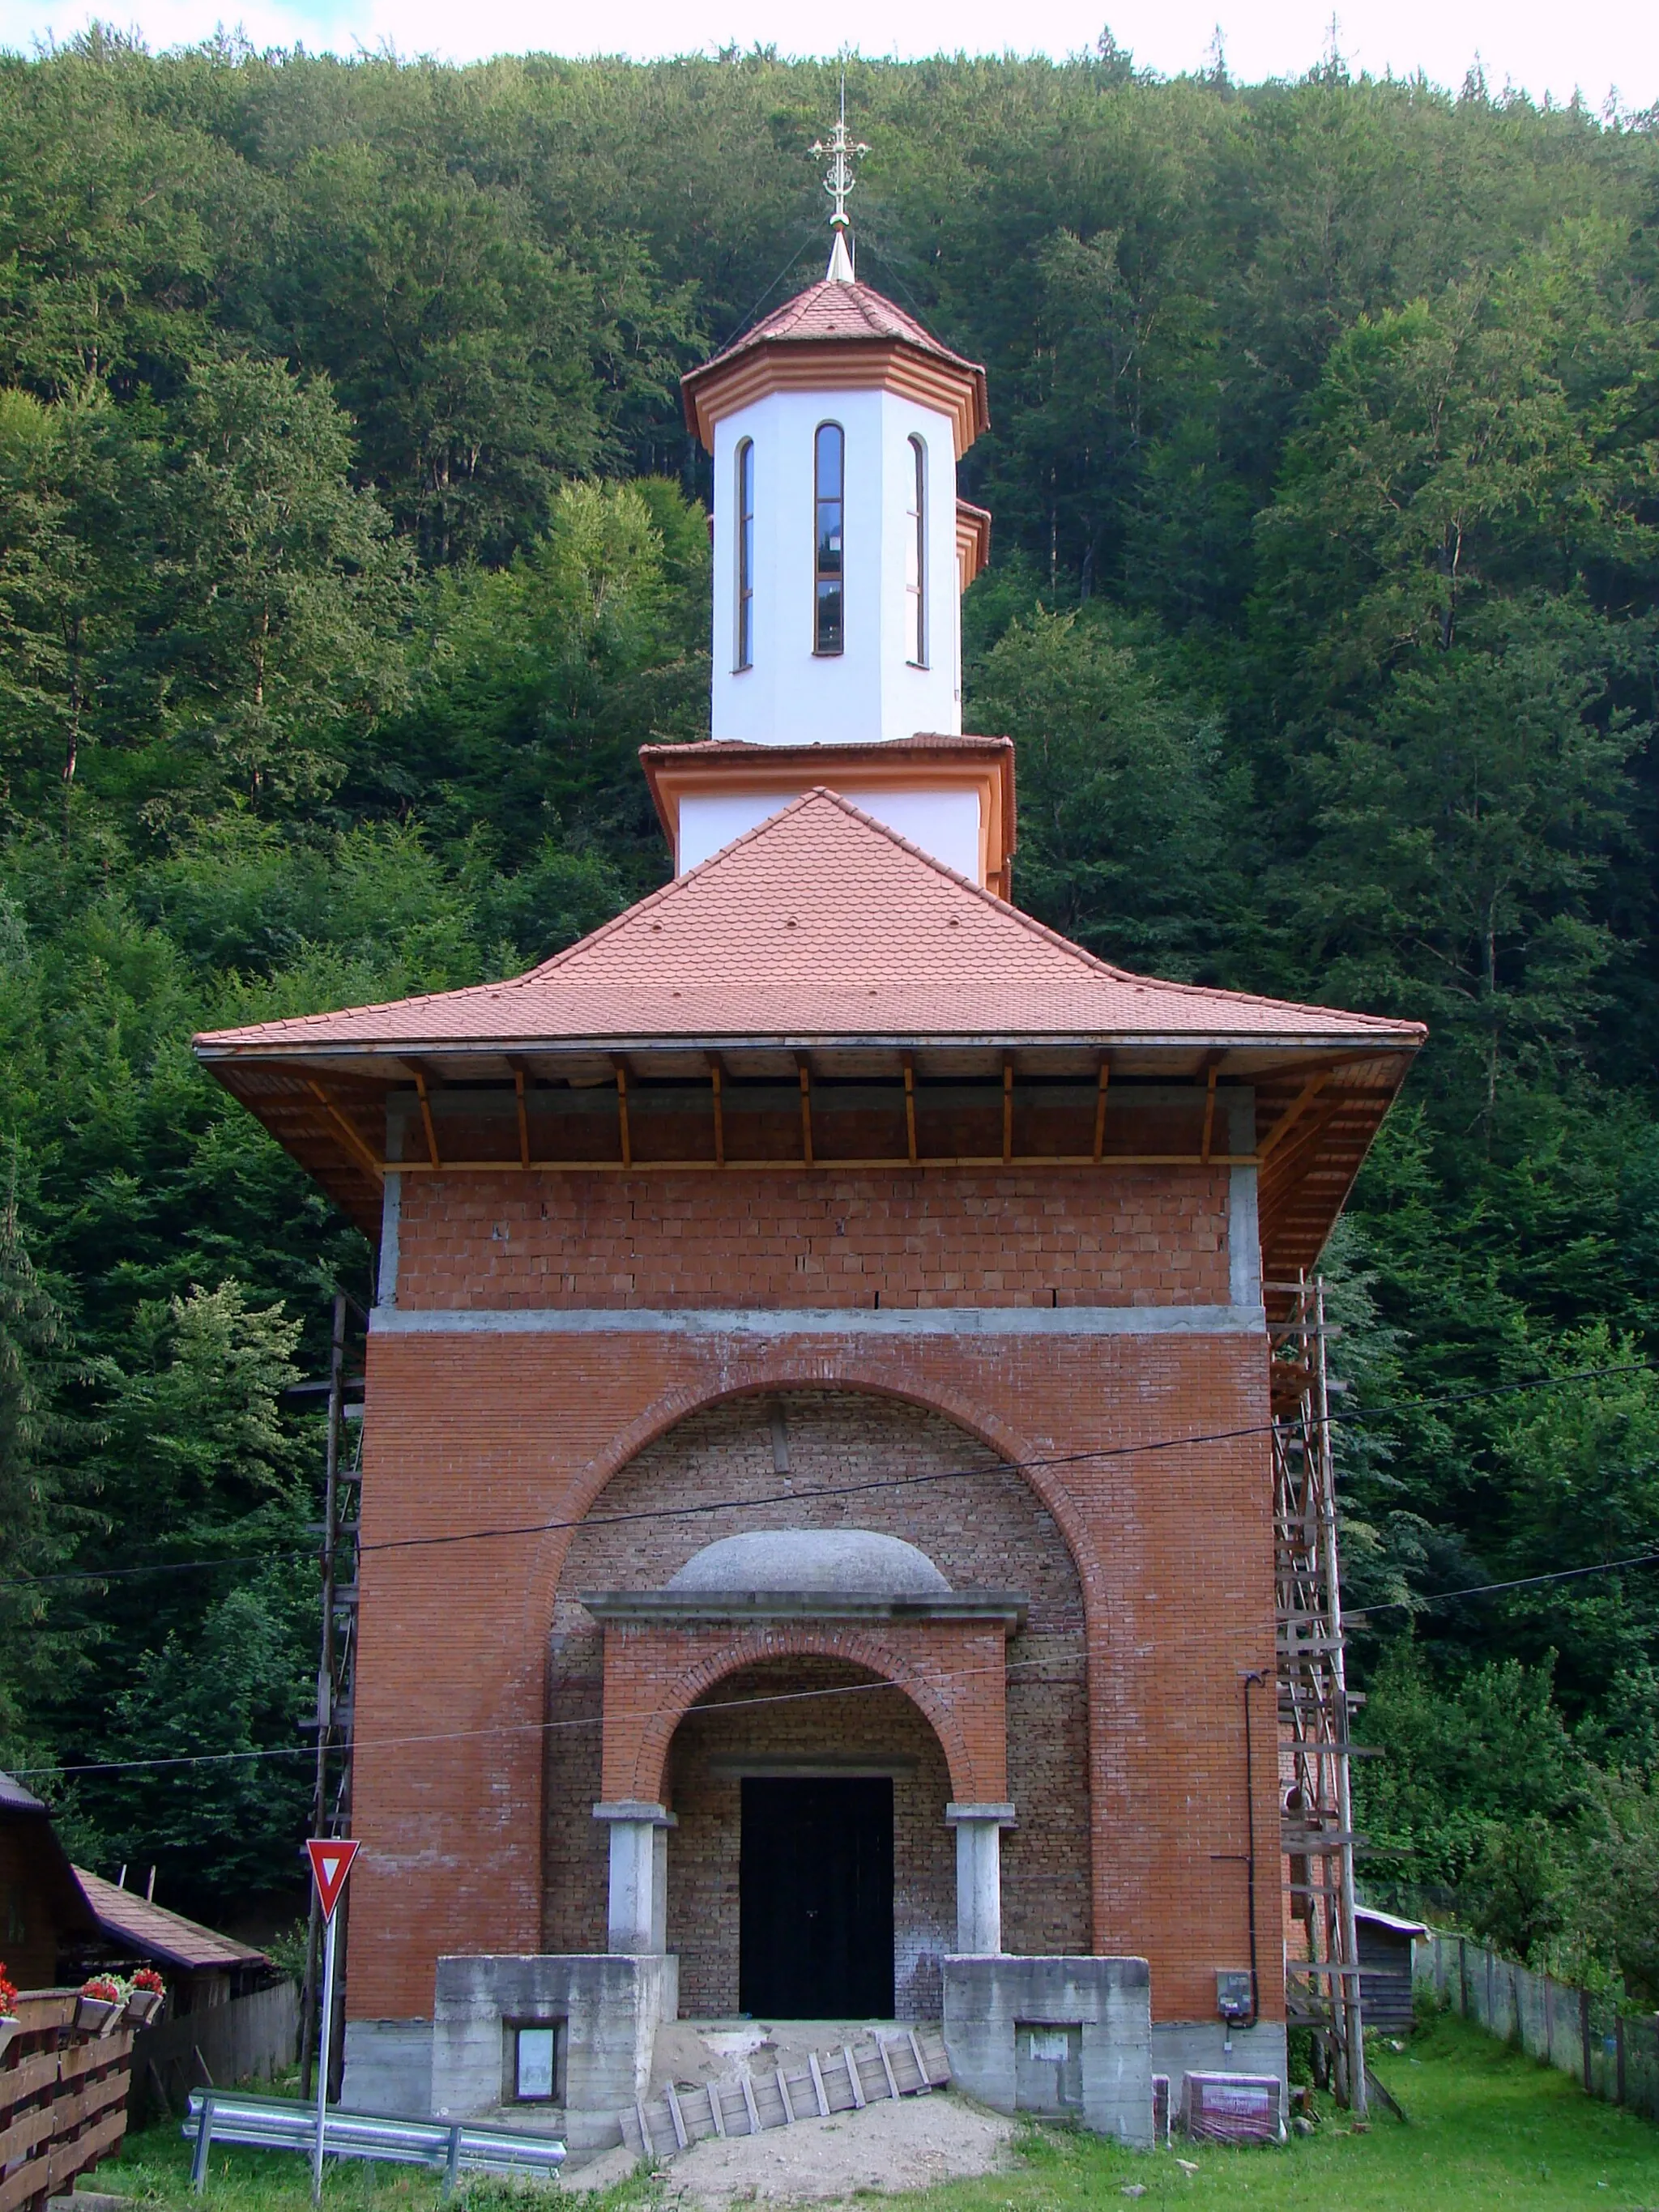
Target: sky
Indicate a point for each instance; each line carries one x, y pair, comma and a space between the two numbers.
1601, 49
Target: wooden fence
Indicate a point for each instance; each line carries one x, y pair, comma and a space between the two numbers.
62, 2099
247, 2039
1611, 2055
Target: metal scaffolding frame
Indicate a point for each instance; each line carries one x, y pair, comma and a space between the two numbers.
1315, 1706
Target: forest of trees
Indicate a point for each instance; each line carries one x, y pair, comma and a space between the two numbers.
350, 543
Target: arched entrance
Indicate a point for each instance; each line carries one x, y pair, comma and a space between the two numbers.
622, 1676
810, 1873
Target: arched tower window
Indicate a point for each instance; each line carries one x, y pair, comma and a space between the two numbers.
828, 617
745, 653
915, 559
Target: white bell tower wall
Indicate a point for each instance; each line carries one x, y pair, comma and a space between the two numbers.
871, 690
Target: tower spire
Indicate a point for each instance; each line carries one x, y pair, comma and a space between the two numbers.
839, 153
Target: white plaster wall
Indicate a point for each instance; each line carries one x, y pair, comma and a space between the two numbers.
945, 824
869, 692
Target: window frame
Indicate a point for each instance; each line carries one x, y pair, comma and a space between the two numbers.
743, 654
916, 591
827, 579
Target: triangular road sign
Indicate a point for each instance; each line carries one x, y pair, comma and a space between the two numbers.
331, 1863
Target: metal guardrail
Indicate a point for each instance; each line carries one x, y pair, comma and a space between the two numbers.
280, 2123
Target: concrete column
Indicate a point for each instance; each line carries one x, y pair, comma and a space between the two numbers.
979, 1876
638, 1918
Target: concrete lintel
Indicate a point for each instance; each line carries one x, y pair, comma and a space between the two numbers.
671, 1608
636, 1808
773, 1325
1003, 1816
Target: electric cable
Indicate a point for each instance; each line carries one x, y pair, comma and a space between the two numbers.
775, 1698
1101, 1452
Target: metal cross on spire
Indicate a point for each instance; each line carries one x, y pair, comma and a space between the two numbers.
839, 153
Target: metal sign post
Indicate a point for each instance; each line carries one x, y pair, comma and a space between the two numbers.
331, 1863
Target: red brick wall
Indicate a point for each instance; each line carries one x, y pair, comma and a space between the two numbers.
1014, 1236
1173, 1551
987, 1532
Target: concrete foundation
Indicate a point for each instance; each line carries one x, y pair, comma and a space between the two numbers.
606, 2007
1072, 2037
388, 2068
1198, 2047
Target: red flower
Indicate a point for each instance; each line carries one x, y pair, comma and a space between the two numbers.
101, 1986
8, 1993
147, 1978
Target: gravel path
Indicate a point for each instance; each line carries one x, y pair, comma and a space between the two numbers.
887, 2147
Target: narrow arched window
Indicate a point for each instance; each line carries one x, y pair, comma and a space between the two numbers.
744, 653
915, 558
829, 611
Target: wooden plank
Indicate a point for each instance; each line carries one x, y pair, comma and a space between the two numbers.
18, 2188
716, 2117
35, 2073
818, 2089
853, 2083
87, 2149
783, 2092
749, 2100
38, 2009
677, 2116
97, 2052
887, 2066
27, 2130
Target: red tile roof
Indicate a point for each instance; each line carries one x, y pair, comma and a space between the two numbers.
821, 924
825, 333
829, 310
153, 1932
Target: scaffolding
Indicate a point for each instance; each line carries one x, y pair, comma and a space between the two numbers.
1315, 1706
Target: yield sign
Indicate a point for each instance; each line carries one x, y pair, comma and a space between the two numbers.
331, 1863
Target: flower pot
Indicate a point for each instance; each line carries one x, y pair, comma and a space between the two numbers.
143, 2006
10, 2025
94, 2015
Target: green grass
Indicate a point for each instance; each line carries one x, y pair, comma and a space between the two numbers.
1488, 2129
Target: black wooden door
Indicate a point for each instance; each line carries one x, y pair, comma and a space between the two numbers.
817, 1898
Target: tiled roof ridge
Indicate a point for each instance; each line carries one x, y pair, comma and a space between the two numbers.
674, 883
1052, 937
816, 796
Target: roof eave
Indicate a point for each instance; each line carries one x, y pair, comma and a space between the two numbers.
213, 1052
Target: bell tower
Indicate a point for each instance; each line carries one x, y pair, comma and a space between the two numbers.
841, 549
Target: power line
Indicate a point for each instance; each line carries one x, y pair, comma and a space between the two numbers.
772, 1698
1097, 1453
536, 1728
1487, 1589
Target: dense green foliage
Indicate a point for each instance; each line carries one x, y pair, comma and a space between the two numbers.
350, 541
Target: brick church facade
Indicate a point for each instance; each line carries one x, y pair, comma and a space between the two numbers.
818, 1385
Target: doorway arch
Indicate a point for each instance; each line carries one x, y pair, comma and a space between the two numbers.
794, 1725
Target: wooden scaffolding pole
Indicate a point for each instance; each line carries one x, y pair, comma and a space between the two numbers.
1315, 1708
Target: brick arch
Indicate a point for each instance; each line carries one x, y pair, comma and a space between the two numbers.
636, 1748
757, 1374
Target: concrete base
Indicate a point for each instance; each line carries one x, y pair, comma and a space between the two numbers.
608, 2007
1072, 2037
1196, 2047
388, 2068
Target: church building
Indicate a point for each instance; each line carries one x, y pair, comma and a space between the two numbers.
817, 1551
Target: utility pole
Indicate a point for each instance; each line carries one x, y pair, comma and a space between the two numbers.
328, 1679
